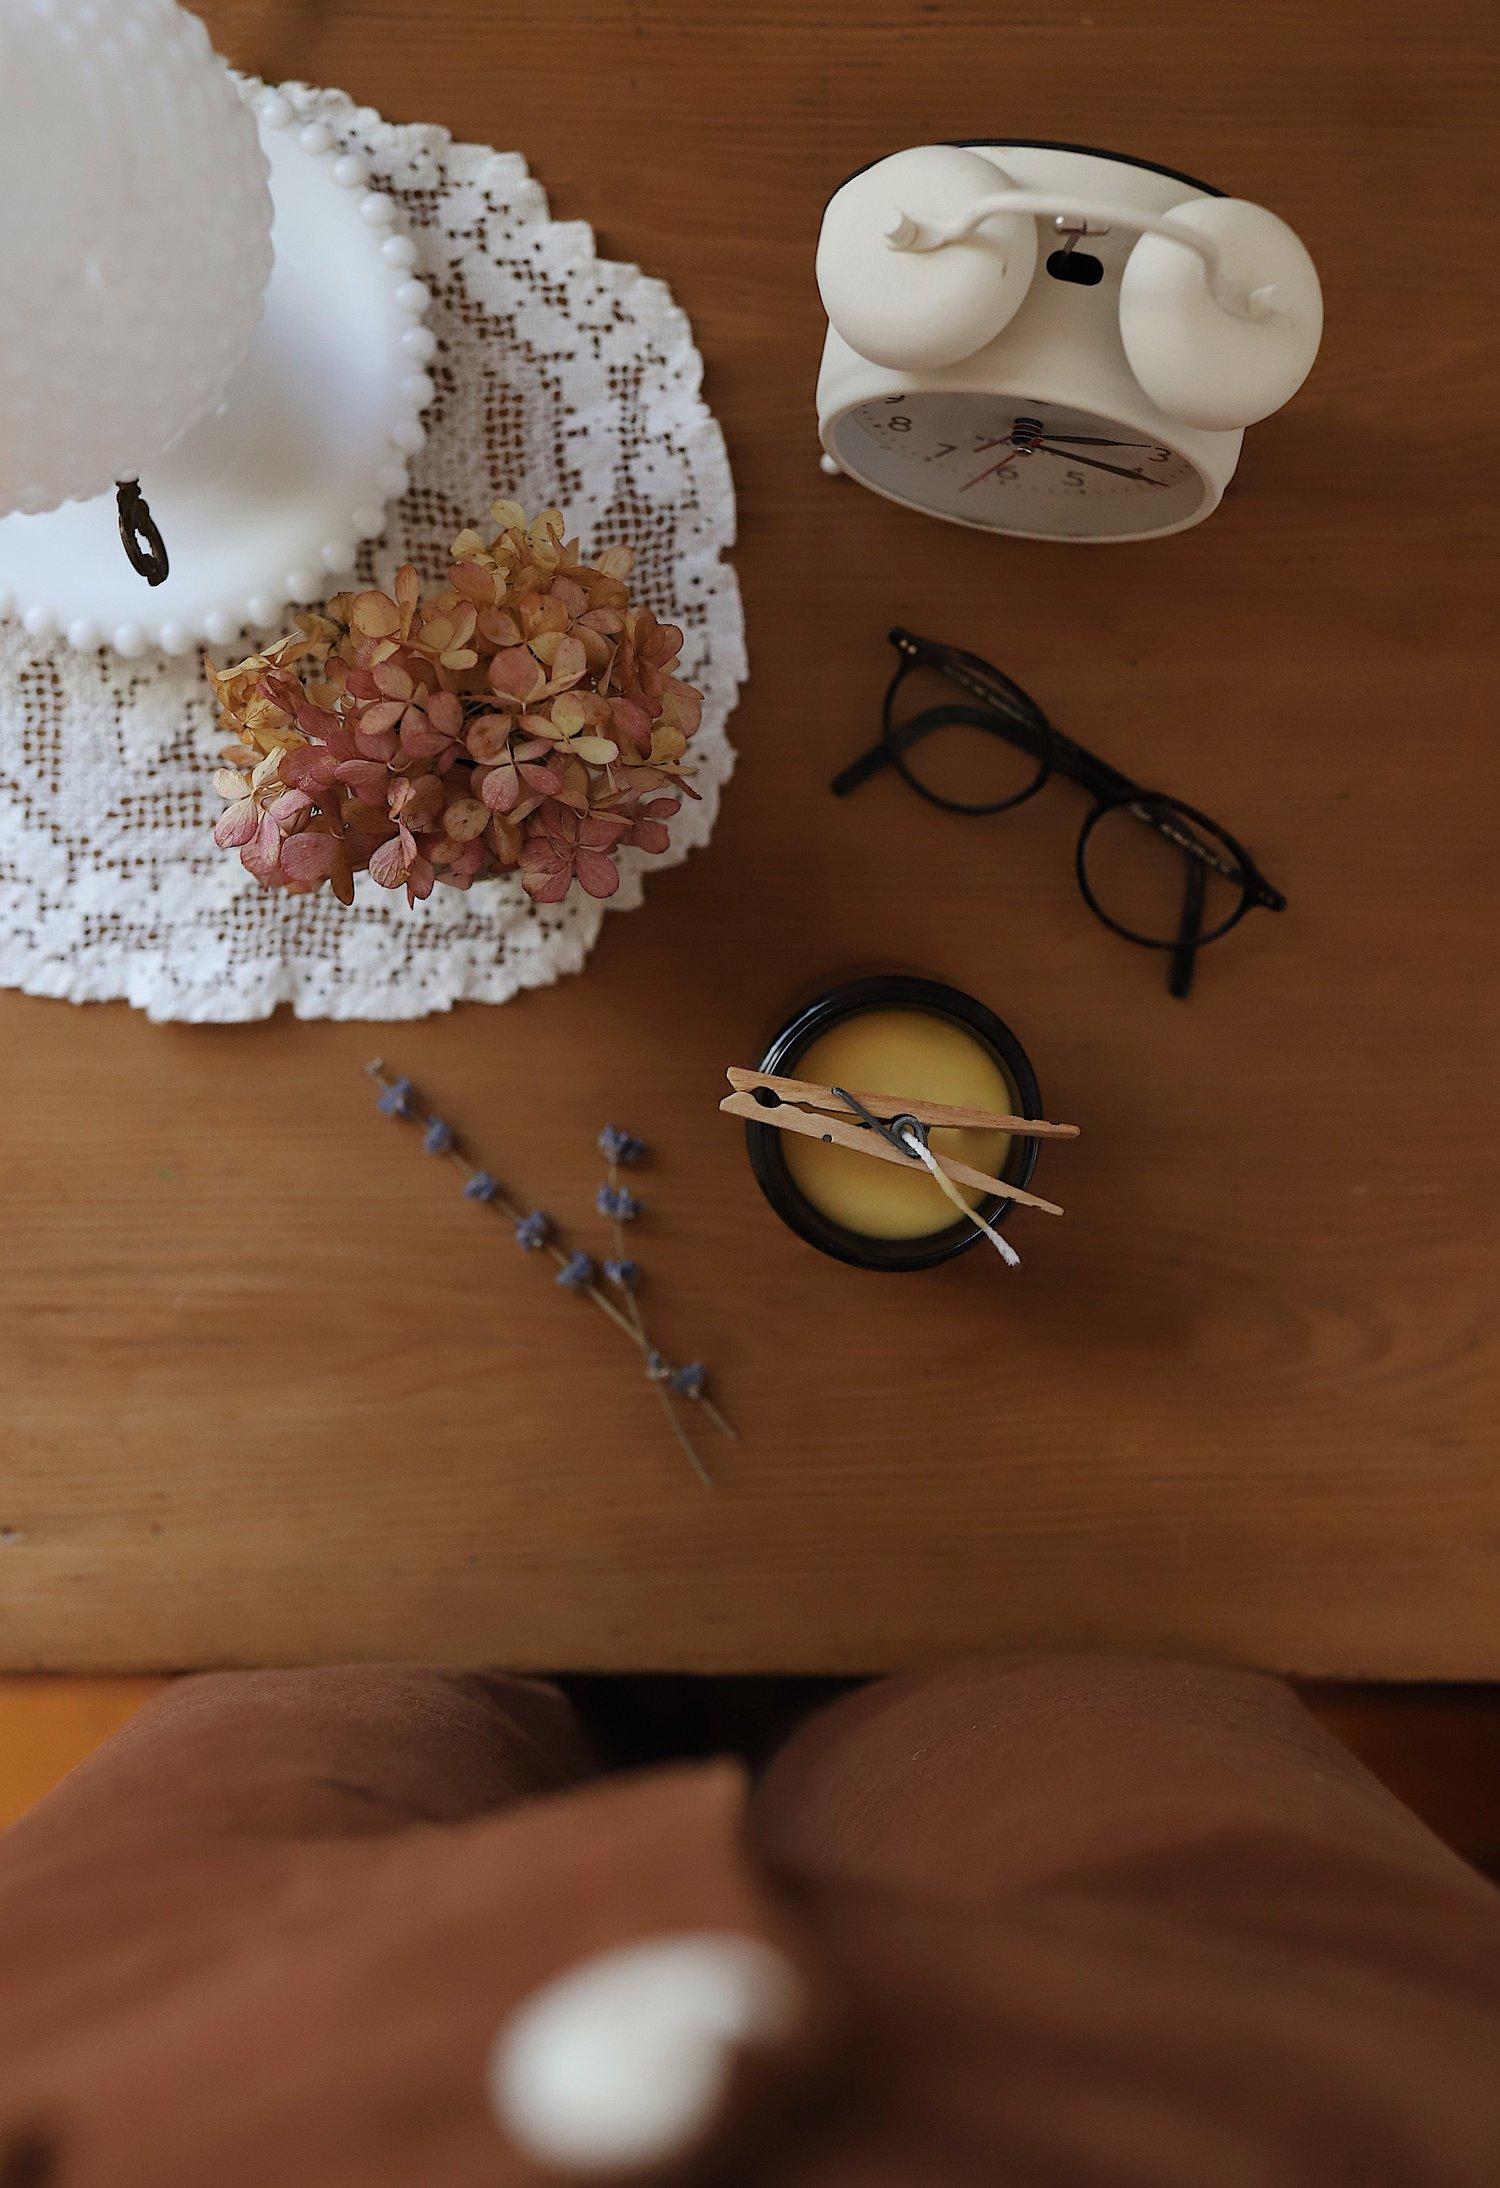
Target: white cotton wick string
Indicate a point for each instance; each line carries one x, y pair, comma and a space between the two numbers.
914, 1144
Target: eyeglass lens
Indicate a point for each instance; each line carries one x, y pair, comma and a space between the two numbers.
976, 759
1134, 874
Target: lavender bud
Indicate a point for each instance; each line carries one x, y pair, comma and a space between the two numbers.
620, 1147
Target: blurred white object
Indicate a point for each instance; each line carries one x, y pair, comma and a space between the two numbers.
267, 412
138, 240
625, 2060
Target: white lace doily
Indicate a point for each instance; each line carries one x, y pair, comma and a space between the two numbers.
561, 379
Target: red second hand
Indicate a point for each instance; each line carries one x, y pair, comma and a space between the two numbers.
994, 467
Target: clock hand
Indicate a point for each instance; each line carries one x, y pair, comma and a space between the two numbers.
1096, 440
1069, 455
994, 467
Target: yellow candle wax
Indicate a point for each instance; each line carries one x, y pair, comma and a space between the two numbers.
911, 1054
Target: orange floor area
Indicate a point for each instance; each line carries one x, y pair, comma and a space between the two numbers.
48, 1725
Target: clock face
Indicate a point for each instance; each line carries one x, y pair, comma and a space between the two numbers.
1014, 465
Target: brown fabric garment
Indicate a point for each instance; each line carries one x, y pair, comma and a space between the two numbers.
1136, 1924
1078, 1922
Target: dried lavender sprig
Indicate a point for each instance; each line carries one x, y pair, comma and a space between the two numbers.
621, 1206
661, 1384
398, 1098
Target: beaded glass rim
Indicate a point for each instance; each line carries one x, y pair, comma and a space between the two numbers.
333, 534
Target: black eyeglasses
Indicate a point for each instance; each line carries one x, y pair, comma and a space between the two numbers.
1156, 871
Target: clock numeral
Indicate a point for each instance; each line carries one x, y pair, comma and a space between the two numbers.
1160, 455
1076, 481
900, 425
944, 448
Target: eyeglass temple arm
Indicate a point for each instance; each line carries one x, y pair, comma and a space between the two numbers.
870, 763
1184, 956
860, 770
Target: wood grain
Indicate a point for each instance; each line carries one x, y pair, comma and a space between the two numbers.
272, 1391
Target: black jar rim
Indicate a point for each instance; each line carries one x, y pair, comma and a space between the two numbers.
890, 991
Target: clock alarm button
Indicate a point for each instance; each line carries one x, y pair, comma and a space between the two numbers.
915, 310
1200, 362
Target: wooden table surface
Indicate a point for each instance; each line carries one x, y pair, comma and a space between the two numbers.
272, 1391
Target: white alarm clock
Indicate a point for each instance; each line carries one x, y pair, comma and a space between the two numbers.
1051, 342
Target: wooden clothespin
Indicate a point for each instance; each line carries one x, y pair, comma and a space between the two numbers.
892, 1128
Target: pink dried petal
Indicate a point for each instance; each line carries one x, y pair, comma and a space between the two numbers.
465, 819
500, 789
601, 830
261, 856
236, 824
575, 786
314, 721
683, 705
408, 591
366, 778
382, 744
375, 615
632, 724
546, 885
541, 617
567, 714
445, 712
291, 807
390, 681
308, 767
597, 872
472, 581
388, 865
546, 781
568, 664
504, 840
469, 862
488, 737
383, 715
418, 801
515, 675
419, 880
308, 860
420, 739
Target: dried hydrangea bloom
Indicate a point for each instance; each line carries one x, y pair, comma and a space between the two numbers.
525, 718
